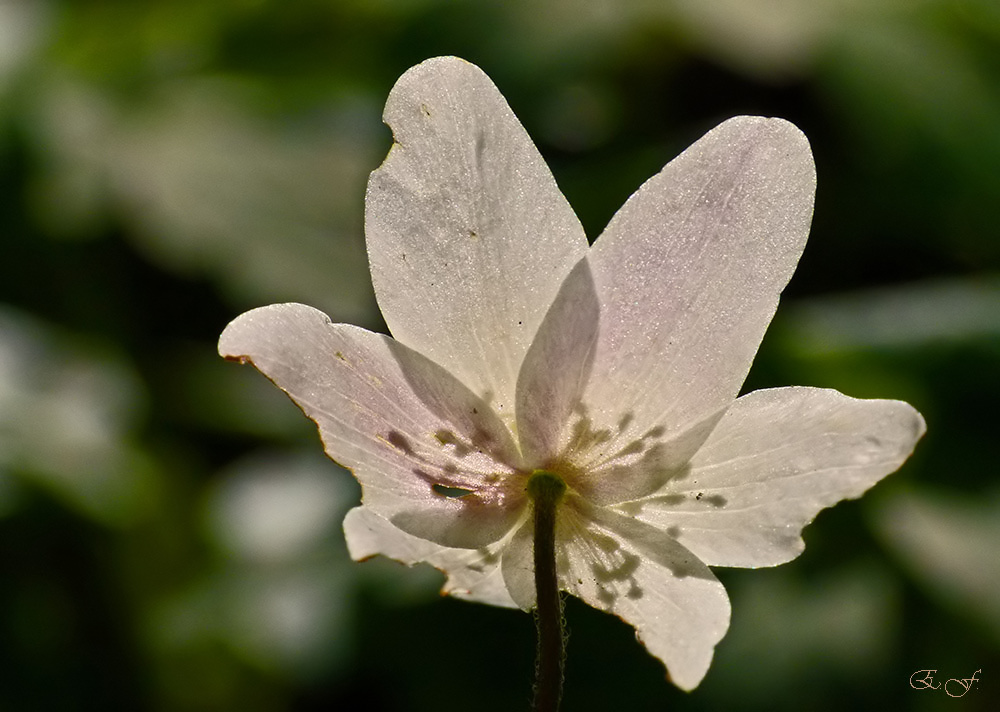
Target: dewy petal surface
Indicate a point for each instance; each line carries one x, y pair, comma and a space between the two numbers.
689, 271
473, 574
469, 238
401, 423
777, 458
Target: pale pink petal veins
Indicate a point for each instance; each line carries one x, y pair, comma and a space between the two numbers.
775, 460
401, 423
689, 271
469, 238
472, 574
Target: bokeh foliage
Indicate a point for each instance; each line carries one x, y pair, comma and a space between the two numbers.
169, 530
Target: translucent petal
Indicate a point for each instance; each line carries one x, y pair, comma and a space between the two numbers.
775, 460
689, 271
637, 572
402, 424
472, 574
641, 467
557, 367
518, 565
469, 238
678, 608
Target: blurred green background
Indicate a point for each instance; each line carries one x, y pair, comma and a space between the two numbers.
169, 529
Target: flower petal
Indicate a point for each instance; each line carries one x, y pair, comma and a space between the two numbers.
775, 460
639, 573
689, 271
641, 467
557, 367
679, 610
402, 424
518, 565
468, 235
472, 574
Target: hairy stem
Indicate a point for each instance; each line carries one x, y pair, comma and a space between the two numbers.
546, 489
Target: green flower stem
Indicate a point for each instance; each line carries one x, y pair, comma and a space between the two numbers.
546, 489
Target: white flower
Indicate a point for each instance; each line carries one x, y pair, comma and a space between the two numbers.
517, 348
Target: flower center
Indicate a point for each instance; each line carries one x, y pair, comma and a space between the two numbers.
545, 488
